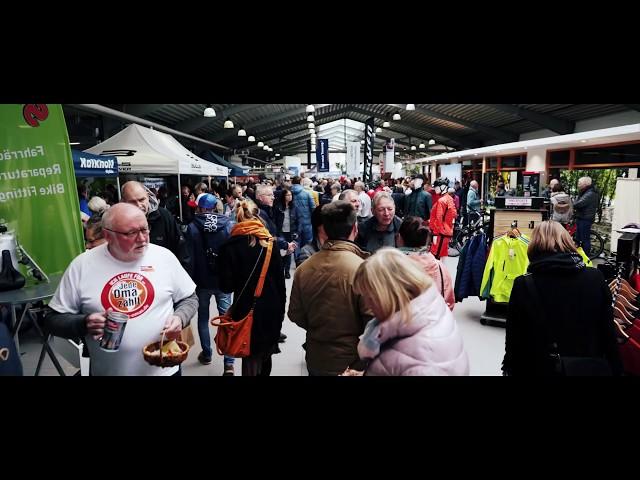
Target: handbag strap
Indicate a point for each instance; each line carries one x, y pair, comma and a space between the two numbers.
265, 267
441, 279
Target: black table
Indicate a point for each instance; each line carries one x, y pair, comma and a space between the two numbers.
28, 296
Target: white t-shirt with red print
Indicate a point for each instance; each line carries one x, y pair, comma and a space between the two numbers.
145, 289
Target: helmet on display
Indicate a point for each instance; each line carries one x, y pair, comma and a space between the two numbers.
441, 185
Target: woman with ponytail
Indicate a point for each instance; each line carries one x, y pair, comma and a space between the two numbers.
241, 260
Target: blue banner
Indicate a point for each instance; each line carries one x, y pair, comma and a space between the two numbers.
322, 155
90, 165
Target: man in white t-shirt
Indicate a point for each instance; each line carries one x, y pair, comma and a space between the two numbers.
365, 201
128, 275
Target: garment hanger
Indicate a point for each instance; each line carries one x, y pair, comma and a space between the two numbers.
620, 329
627, 304
622, 308
628, 285
628, 293
617, 313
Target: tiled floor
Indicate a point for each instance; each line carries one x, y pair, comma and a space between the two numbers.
484, 344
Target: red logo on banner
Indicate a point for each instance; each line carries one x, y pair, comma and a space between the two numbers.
34, 113
129, 293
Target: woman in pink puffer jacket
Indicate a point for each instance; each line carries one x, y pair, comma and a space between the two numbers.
414, 333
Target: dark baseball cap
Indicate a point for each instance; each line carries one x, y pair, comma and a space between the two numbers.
206, 200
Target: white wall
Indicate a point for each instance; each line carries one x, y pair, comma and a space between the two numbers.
607, 121
536, 160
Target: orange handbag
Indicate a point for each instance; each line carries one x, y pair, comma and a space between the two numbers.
233, 338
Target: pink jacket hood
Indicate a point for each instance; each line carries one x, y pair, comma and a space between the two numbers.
429, 344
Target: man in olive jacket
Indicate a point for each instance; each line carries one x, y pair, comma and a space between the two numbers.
322, 299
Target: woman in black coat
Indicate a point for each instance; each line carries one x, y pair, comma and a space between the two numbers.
574, 309
286, 220
237, 259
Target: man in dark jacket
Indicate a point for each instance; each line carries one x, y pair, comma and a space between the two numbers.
208, 230
585, 208
164, 230
264, 201
380, 230
416, 203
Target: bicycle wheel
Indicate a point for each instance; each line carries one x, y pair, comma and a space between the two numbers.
597, 245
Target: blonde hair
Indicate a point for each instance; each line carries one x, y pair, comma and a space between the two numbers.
394, 279
550, 237
247, 210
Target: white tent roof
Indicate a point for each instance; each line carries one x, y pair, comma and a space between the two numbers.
143, 150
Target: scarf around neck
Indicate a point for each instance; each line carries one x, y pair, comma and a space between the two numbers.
251, 227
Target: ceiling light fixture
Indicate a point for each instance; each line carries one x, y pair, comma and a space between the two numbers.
310, 108
310, 118
277, 154
386, 124
432, 142
312, 126
421, 145
209, 111
260, 144
228, 123
378, 130
413, 147
410, 106
396, 116
251, 138
242, 132
266, 147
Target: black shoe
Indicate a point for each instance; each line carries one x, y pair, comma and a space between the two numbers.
203, 359
282, 338
287, 275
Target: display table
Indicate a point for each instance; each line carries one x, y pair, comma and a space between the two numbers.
28, 296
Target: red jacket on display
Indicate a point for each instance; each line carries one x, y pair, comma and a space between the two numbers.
443, 214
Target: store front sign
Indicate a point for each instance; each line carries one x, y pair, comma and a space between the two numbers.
38, 195
517, 202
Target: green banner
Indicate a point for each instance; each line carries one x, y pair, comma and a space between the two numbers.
38, 195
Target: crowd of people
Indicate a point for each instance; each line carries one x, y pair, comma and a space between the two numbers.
369, 287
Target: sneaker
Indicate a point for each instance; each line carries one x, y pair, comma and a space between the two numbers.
228, 370
203, 359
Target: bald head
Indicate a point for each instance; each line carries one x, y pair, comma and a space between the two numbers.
126, 231
474, 184
120, 212
135, 193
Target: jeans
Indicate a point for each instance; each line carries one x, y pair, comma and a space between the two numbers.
582, 234
223, 302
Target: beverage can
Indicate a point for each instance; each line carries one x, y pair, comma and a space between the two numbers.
113, 331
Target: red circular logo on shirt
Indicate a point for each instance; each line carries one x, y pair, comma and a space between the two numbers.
129, 293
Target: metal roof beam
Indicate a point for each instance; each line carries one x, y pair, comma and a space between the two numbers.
276, 132
491, 131
427, 131
192, 124
544, 120
141, 109
633, 106
252, 126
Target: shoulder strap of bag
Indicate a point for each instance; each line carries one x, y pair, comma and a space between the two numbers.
265, 267
441, 279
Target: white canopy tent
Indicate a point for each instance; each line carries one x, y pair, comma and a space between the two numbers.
144, 150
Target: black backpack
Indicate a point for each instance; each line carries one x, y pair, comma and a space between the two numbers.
211, 241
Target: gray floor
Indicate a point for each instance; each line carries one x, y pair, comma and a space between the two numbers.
484, 344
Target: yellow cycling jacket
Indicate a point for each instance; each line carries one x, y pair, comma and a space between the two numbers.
507, 260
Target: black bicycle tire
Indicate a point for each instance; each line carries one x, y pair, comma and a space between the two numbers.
595, 254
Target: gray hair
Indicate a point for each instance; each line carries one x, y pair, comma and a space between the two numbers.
262, 189
381, 195
348, 191
306, 182
359, 185
97, 205
586, 181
